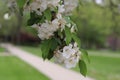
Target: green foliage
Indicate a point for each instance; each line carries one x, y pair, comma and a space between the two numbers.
85, 56
68, 35
72, 36
60, 38
28, 2
54, 44
67, 18
96, 22
84, 60
76, 39
47, 14
83, 68
21, 3
34, 18
47, 48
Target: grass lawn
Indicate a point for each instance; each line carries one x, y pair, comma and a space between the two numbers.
104, 68
12, 68
2, 49
105, 65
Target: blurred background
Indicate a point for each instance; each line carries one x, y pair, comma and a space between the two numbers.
98, 22
13, 26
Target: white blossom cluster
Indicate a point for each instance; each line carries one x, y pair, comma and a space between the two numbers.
46, 30
68, 56
65, 53
70, 5
40, 6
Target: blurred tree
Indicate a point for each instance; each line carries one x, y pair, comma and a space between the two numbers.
113, 7
8, 25
91, 31
13, 28
97, 20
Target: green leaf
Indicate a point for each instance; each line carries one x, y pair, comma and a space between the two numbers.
67, 18
21, 11
60, 34
85, 56
68, 35
42, 20
76, 39
55, 9
47, 14
58, 41
83, 68
69, 21
54, 44
50, 55
48, 47
20, 3
34, 18
45, 48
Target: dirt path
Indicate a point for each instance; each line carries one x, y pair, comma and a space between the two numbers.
53, 71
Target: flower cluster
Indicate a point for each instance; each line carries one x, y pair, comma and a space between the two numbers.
70, 5
46, 30
64, 6
51, 19
40, 6
68, 56
52, 22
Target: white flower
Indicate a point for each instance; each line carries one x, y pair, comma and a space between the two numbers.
68, 51
58, 57
37, 5
61, 8
53, 3
35, 26
62, 21
73, 29
69, 63
68, 56
70, 5
47, 29
40, 6
68, 25
59, 16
